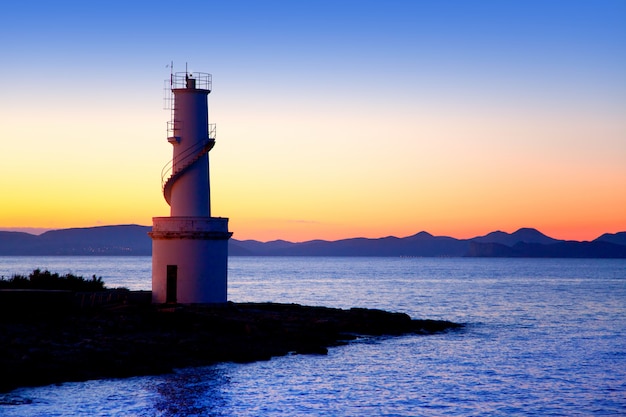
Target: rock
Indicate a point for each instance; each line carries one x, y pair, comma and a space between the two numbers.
143, 339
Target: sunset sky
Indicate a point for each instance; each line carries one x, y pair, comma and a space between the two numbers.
335, 119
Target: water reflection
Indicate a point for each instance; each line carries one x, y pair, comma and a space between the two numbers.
187, 392
192, 392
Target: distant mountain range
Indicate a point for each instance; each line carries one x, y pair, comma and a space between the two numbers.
134, 240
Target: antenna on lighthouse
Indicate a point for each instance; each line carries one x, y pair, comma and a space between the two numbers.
171, 73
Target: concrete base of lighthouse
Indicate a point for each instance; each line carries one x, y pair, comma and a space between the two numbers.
189, 259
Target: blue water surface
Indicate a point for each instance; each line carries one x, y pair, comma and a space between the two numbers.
543, 337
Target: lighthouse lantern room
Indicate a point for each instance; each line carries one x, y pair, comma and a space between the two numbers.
189, 248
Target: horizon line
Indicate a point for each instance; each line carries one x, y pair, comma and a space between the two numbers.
37, 231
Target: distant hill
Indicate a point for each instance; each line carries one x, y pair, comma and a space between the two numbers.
103, 240
134, 240
525, 235
17, 243
617, 238
422, 244
569, 249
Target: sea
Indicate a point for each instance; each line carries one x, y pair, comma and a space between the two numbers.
543, 337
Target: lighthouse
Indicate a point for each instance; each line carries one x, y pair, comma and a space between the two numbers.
190, 247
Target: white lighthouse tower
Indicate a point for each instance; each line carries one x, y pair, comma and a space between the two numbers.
189, 248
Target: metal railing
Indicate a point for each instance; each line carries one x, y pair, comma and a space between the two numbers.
188, 155
196, 80
168, 97
183, 162
212, 130
199, 80
173, 128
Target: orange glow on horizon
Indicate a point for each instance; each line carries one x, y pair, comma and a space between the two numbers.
269, 234
329, 233
449, 130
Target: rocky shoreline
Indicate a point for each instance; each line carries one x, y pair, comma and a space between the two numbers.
47, 346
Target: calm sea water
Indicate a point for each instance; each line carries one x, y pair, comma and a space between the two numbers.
544, 337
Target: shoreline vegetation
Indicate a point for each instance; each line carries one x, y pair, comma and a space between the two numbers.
53, 336
46, 280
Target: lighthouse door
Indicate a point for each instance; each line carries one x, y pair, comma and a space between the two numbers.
172, 277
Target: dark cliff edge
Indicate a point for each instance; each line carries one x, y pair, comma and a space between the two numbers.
114, 338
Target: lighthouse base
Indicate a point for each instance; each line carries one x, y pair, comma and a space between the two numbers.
189, 259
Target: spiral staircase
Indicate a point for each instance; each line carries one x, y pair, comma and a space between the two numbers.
184, 162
